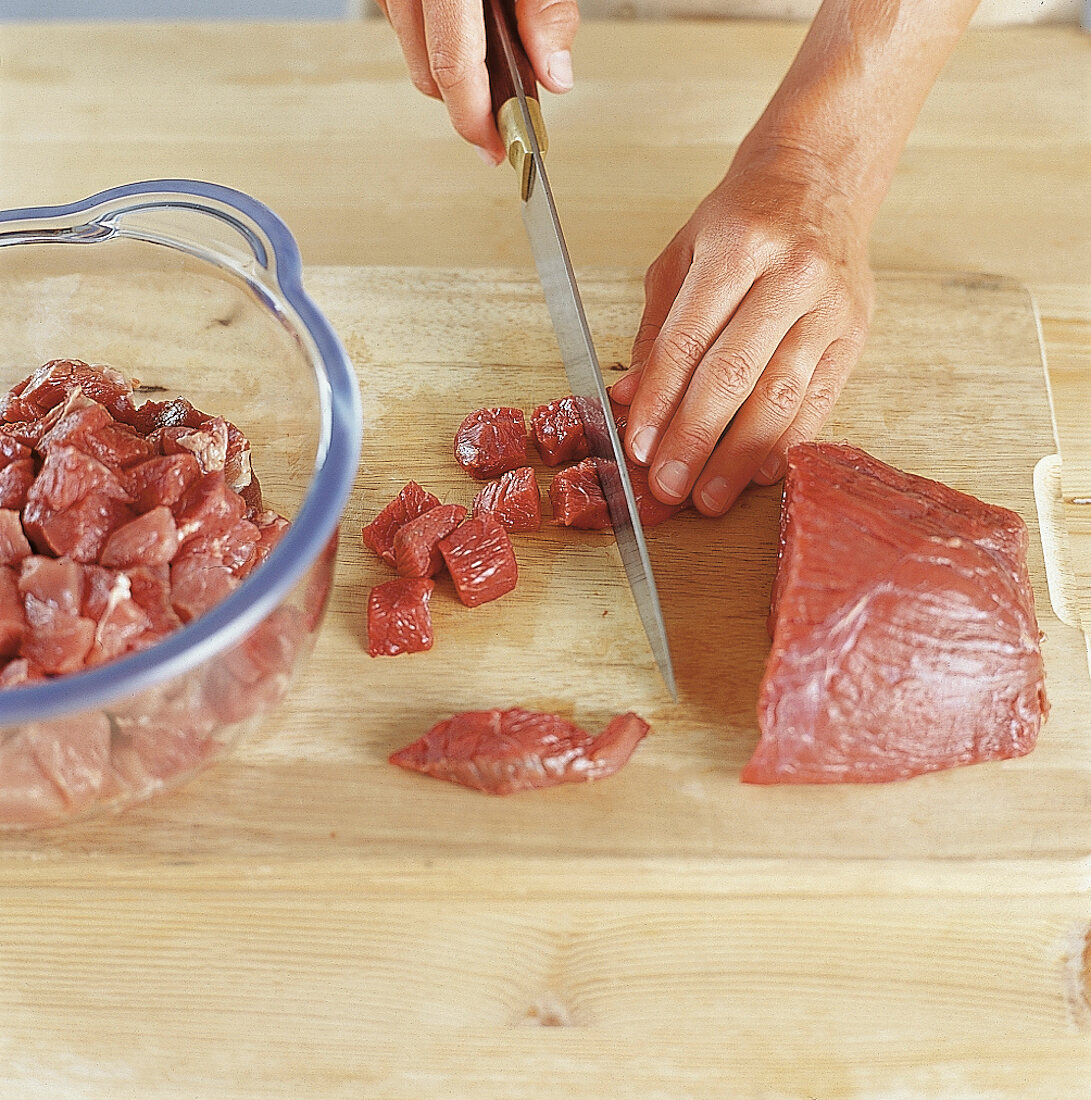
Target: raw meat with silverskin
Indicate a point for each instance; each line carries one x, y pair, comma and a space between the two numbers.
904, 633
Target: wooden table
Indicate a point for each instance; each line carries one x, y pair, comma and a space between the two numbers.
319, 122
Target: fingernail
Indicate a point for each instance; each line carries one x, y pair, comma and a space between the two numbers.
486, 156
714, 495
673, 477
644, 444
772, 468
560, 69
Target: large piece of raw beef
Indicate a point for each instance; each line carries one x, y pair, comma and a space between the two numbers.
903, 625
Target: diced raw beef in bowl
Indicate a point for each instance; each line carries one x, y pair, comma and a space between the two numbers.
156, 600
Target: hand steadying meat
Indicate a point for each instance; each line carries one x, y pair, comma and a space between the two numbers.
758, 309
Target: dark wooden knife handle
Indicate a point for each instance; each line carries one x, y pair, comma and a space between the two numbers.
501, 28
502, 36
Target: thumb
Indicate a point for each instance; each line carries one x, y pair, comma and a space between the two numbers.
547, 28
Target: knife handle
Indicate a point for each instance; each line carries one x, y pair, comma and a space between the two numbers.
502, 40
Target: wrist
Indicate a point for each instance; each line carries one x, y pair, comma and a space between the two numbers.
833, 176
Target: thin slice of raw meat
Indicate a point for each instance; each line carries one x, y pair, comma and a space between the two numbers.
502, 751
904, 634
416, 543
398, 619
411, 502
575, 495
481, 560
490, 442
513, 499
559, 432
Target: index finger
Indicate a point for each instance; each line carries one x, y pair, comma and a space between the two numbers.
454, 32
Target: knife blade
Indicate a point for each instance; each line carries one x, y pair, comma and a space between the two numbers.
518, 118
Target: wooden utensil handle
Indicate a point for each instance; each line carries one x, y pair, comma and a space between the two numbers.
501, 30
502, 38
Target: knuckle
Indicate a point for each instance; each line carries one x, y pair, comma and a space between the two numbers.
449, 68
732, 376
821, 398
680, 345
694, 437
808, 267
783, 394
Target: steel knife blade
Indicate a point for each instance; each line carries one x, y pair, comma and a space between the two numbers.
518, 117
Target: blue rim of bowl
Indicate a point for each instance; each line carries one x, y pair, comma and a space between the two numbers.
312, 528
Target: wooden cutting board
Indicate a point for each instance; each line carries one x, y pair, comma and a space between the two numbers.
307, 918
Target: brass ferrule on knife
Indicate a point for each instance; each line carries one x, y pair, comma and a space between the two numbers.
513, 132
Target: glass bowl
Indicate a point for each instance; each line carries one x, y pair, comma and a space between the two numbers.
194, 290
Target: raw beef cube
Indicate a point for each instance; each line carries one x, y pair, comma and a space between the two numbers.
80, 532
13, 620
207, 443
481, 560
55, 581
513, 499
491, 441
416, 552
150, 589
236, 548
27, 795
208, 508
73, 505
57, 641
398, 620
74, 753
150, 539
121, 623
67, 476
501, 751
92, 430
13, 542
904, 634
254, 676
575, 495
11, 450
15, 481
651, 510
162, 734
55, 382
271, 529
18, 672
198, 583
411, 502
559, 432
162, 480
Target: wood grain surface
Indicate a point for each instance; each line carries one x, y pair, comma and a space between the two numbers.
306, 919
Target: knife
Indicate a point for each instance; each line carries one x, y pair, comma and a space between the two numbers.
519, 120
